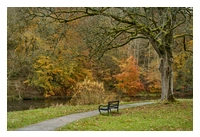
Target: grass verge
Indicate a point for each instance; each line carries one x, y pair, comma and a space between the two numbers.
18, 119
176, 116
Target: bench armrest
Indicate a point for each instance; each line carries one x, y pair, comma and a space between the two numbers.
103, 106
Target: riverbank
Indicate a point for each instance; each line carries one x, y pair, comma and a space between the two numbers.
174, 116
18, 105
143, 95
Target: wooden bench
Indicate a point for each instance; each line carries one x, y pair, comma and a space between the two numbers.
111, 105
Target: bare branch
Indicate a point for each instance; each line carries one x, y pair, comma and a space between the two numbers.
155, 24
182, 35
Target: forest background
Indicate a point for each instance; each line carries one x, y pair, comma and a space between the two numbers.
48, 58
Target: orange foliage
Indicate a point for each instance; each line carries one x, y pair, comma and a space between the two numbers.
129, 80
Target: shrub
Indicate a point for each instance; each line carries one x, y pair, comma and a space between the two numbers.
88, 92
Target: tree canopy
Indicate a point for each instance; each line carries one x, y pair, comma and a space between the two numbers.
54, 48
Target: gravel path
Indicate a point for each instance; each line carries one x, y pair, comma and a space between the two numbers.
53, 124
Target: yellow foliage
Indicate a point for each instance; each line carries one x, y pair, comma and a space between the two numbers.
55, 76
88, 92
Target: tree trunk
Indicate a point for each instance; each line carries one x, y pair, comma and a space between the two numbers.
166, 72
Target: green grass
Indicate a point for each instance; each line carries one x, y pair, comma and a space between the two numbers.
18, 119
176, 116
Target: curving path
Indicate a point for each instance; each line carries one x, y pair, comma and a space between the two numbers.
53, 124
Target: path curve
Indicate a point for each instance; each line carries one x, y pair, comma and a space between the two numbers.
53, 124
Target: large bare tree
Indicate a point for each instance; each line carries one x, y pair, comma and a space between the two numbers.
160, 26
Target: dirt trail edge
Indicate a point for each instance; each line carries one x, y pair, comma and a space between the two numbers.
53, 124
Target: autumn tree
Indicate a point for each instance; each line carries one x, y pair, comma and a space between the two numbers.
21, 50
128, 79
17, 45
158, 25
183, 65
43, 54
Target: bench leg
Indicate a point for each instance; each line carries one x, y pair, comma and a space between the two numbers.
99, 111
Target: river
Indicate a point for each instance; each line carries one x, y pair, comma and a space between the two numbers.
18, 105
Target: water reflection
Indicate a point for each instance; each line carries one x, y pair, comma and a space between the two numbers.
18, 105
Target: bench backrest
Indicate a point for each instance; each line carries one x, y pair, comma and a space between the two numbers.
113, 103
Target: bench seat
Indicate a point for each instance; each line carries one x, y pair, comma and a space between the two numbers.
111, 105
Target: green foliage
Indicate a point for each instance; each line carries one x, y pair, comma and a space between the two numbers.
105, 69
183, 76
88, 92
